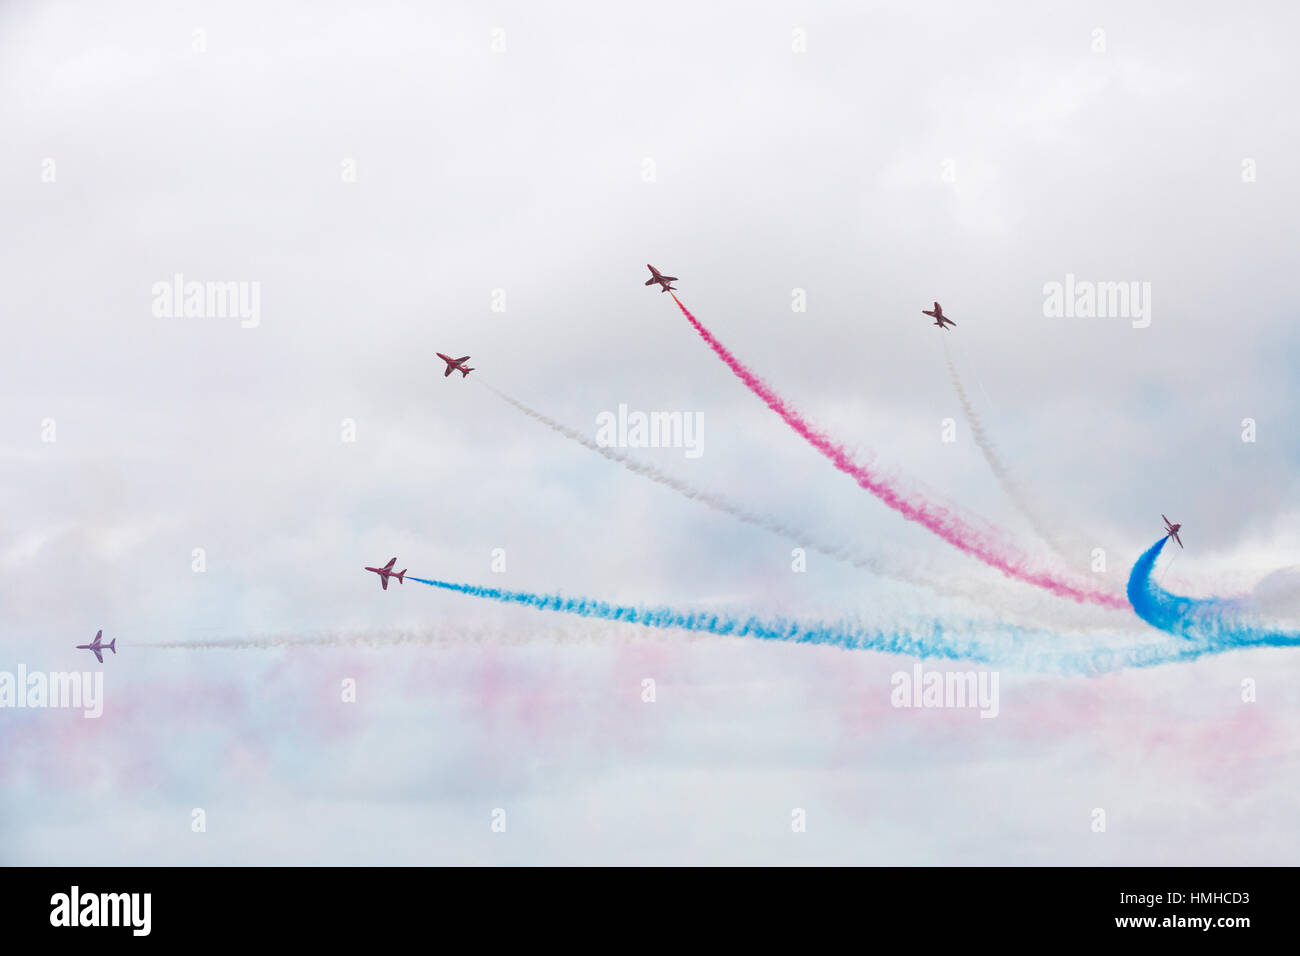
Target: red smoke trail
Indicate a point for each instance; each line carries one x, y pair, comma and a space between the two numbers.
952, 528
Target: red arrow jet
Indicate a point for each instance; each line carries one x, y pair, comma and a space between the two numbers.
1171, 531
663, 280
938, 316
387, 572
98, 646
455, 365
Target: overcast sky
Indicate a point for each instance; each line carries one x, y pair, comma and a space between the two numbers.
388, 177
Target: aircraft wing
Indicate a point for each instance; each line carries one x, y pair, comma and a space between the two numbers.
389, 565
1178, 539
463, 358
98, 656
450, 368
383, 579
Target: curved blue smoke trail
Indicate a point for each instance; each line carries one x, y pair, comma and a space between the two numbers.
1216, 624
1003, 644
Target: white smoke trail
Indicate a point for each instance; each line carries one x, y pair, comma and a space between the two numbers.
867, 562
1053, 652
1035, 609
1065, 546
584, 633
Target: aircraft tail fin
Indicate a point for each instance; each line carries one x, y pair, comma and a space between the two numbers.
112, 645
400, 575
464, 372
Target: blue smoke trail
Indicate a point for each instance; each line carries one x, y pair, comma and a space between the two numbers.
1216, 624
933, 644
1014, 646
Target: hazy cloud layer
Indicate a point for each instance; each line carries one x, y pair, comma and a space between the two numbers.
385, 175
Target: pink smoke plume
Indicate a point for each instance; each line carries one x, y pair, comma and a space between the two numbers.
952, 528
